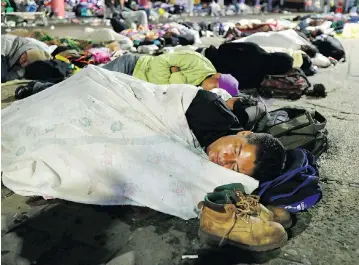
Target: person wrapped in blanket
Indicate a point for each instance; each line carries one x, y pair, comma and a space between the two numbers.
17, 53
179, 67
221, 126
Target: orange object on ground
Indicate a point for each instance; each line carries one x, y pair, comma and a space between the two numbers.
58, 7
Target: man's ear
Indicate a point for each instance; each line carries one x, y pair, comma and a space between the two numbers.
244, 133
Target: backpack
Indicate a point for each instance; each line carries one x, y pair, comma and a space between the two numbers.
296, 128
297, 189
291, 85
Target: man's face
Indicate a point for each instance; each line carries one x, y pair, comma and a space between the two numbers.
23, 59
234, 152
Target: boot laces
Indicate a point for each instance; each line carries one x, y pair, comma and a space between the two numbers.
252, 200
242, 212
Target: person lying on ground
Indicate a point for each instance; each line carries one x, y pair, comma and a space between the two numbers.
289, 39
219, 128
130, 15
125, 127
17, 53
179, 67
247, 62
300, 59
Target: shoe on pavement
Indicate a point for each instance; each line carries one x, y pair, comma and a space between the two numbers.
269, 213
222, 223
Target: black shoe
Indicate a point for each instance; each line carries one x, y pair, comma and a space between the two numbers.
24, 91
317, 91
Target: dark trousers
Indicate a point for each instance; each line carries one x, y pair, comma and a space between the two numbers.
125, 64
4, 69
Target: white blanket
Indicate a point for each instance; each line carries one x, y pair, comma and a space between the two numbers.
106, 138
288, 39
102, 35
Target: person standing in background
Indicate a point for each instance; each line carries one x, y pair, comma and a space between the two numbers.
190, 7
146, 6
132, 14
332, 6
8, 6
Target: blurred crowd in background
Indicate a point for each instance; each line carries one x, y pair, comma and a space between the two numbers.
97, 8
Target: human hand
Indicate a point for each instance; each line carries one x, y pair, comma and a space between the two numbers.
175, 69
230, 102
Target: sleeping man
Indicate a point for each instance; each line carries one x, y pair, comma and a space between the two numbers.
107, 138
218, 128
17, 53
179, 67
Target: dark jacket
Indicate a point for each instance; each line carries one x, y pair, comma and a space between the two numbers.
210, 119
248, 62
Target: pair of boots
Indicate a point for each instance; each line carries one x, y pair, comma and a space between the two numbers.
228, 216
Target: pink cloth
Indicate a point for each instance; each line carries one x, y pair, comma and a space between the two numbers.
143, 3
100, 56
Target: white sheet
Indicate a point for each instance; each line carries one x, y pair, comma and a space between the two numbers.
288, 39
106, 138
106, 35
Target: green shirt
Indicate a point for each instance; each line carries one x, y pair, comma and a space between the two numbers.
194, 68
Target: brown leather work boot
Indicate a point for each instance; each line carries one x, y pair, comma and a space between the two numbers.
222, 222
269, 213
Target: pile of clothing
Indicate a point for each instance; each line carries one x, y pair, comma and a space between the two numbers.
169, 34
85, 8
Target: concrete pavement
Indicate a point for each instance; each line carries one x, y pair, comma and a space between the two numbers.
66, 233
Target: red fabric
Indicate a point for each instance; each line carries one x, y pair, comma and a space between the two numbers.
143, 2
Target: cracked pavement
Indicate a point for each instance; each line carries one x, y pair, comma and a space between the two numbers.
66, 233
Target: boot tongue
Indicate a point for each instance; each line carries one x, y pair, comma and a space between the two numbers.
222, 197
231, 186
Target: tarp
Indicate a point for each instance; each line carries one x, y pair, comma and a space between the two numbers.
105, 138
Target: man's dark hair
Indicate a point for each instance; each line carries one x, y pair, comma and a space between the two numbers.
270, 154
